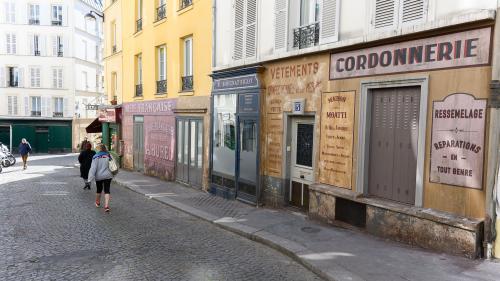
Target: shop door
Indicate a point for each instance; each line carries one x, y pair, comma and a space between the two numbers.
301, 170
393, 143
246, 187
5, 136
41, 140
190, 151
139, 143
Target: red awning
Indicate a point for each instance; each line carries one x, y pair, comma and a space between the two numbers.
94, 127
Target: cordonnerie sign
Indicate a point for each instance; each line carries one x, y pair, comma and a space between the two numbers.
467, 48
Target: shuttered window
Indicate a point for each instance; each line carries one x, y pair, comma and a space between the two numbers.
35, 77
11, 43
245, 29
57, 78
280, 25
10, 12
390, 14
12, 105
329, 29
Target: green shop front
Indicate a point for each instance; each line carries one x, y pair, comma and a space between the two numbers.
44, 135
108, 123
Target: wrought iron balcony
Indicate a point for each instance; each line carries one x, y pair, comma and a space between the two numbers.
187, 83
161, 12
58, 114
60, 53
36, 113
138, 25
114, 49
57, 22
13, 84
186, 3
34, 22
306, 36
161, 86
37, 53
138, 90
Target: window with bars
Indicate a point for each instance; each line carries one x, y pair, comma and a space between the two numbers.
57, 46
34, 14
187, 78
11, 43
58, 107
161, 82
36, 106
35, 77
57, 15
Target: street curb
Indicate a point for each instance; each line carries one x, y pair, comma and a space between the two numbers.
260, 236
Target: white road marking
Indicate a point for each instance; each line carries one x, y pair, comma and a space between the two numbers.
156, 195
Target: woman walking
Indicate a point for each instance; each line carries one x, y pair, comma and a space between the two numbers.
85, 160
24, 150
100, 172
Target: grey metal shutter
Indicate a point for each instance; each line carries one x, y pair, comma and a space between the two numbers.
280, 25
329, 27
239, 27
385, 13
412, 11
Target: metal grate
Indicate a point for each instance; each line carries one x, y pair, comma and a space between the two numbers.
306, 36
161, 86
138, 25
161, 12
138, 90
187, 83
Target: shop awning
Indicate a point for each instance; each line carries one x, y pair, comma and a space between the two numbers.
94, 127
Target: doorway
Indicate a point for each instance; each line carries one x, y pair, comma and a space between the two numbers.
394, 133
301, 161
41, 140
246, 187
190, 151
138, 143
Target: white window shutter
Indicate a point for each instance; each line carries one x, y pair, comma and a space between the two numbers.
14, 43
32, 77
251, 29
54, 45
386, 14
60, 82
3, 81
31, 44
412, 11
21, 77
43, 45
44, 107
9, 106
329, 21
280, 25
7, 43
6, 12
16, 106
38, 80
54, 78
239, 29
26, 106
66, 107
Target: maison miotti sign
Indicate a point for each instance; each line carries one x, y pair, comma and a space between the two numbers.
457, 143
467, 48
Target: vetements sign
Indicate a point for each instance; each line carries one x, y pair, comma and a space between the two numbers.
457, 150
467, 48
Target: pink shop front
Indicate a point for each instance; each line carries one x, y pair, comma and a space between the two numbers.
149, 138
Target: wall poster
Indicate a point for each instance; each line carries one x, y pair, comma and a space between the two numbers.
457, 150
336, 143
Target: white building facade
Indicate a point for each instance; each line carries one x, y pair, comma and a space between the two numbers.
50, 69
338, 99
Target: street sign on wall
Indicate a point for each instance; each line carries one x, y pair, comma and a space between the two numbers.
457, 148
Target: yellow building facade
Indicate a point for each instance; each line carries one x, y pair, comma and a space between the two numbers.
166, 57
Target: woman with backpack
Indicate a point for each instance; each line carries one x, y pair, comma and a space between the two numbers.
102, 170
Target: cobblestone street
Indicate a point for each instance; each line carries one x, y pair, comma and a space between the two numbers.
50, 230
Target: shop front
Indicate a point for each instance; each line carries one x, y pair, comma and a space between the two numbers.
110, 117
148, 130
389, 138
235, 151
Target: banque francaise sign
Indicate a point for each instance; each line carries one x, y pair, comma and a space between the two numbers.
467, 48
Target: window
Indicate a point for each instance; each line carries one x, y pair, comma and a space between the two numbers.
57, 46
35, 77
113, 37
85, 82
12, 105
10, 12
161, 70
391, 14
57, 17
187, 78
58, 107
245, 29
161, 11
307, 34
11, 42
36, 106
14, 75
138, 84
114, 85
36, 45
138, 26
57, 78
85, 51
34, 14
309, 11
186, 3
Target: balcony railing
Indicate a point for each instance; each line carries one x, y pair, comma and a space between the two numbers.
306, 36
186, 3
60, 53
113, 49
138, 90
138, 25
161, 12
187, 83
34, 21
58, 114
57, 22
36, 113
37, 53
13, 84
161, 86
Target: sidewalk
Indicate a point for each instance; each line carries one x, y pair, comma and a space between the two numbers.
331, 252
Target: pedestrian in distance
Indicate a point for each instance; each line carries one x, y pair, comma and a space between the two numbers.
101, 173
24, 150
83, 145
85, 160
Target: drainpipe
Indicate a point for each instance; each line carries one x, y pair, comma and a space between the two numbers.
214, 26
491, 242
